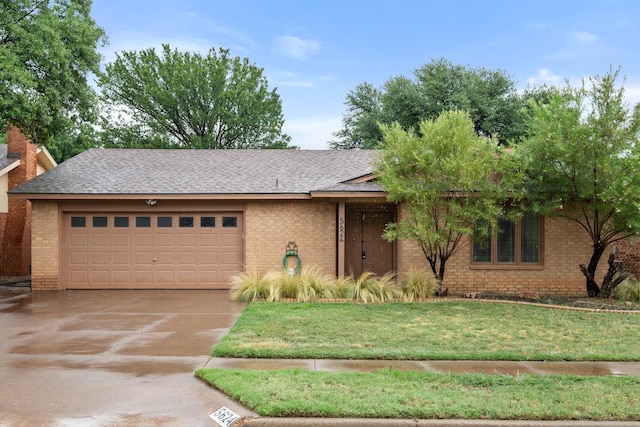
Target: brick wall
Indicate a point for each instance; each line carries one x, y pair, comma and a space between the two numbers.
566, 246
269, 226
45, 246
16, 239
628, 251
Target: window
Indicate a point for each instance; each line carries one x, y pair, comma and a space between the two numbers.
164, 221
143, 221
515, 243
229, 221
99, 221
78, 221
207, 221
186, 221
121, 221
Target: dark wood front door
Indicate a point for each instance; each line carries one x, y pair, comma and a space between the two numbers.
377, 253
365, 249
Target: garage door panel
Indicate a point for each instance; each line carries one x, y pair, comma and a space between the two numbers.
143, 239
100, 258
78, 258
164, 240
161, 250
79, 240
208, 240
122, 258
100, 276
100, 240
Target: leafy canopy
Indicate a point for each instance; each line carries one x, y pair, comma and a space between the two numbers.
47, 49
583, 156
488, 95
187, 100
445, 176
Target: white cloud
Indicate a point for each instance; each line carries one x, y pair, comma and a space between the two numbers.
312, 133
545, 76
295, 47
582, 37
632, 93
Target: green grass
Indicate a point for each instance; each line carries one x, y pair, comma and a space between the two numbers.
430, 331
394, 394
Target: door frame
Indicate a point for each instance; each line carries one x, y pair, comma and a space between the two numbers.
350, 234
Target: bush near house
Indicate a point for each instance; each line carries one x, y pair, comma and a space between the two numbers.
314, 285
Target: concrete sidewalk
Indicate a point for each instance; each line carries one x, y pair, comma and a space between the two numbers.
461, 366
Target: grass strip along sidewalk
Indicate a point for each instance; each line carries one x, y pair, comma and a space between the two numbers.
394, 394
442, 330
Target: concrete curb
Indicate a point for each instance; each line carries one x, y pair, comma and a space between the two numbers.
355, 422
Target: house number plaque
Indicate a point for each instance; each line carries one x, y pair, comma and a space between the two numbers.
224, 417
341, 230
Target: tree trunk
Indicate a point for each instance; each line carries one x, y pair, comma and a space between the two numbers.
440, 278
593, 290
609, 283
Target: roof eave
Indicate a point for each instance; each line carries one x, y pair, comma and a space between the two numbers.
219, 196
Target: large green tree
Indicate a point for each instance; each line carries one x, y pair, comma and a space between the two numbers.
583, 162
189, 100
489, 96
445, 176
47, 50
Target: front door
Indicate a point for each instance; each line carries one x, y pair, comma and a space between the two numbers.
365, 249
377, 253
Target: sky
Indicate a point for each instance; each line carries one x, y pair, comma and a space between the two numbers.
315, 51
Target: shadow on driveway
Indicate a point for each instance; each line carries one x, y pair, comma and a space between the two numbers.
117, 358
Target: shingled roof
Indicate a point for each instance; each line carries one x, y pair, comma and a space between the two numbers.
4, 160
204, 172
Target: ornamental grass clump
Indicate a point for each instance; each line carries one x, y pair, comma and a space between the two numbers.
368, 288
629, 290
250, 286
314, 285
418, 284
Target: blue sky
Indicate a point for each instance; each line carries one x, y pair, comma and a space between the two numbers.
315, 51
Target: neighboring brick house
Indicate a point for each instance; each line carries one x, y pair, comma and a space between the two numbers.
20, 161
192, 218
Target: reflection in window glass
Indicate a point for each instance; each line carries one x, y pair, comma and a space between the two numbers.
143, 221
121, 221
506, 240
78, 221
530, 235
229, 221
165, 221
186, 221
99, 221
208, 221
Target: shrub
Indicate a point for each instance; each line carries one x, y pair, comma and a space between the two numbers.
287, 287
343, 288
314, 285
629, 290
418, 284
246, 287
368, 288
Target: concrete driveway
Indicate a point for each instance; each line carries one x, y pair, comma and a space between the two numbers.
110, 358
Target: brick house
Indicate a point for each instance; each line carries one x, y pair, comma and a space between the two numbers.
192, 218
20, 161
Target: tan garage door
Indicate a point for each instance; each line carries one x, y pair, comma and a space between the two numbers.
158, 251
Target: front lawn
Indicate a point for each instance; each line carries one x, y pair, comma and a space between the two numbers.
448, 330
393, 394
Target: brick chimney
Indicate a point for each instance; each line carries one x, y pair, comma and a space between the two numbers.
16, 239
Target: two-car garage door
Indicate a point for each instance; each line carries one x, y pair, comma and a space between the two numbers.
154, 251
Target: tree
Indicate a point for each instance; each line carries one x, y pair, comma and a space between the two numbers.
446, 179
488, 95
583, 163
47, 49
188, 100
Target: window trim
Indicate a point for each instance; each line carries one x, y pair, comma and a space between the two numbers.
517, 265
